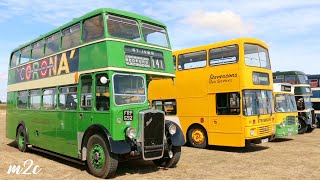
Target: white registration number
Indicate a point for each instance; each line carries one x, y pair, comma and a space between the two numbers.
264, 140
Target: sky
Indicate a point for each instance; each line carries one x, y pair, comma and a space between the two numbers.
289, 27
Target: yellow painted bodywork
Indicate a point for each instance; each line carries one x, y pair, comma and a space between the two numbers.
195, 93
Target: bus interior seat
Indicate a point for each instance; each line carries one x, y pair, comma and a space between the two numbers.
103, 103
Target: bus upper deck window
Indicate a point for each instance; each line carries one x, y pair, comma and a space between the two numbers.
15, 59
25, 55
71, 36
37, 50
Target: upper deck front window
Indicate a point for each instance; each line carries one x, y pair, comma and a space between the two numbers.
92, 28
154, 35
296, 79
123, 28
256, 56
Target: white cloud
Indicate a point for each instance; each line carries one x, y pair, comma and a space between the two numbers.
223, 22
3, 76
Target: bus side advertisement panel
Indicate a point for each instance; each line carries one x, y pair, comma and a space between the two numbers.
226, 80
64, 63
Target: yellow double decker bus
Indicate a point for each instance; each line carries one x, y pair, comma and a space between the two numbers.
222, 93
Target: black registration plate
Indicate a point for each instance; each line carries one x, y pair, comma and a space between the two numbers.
127, 115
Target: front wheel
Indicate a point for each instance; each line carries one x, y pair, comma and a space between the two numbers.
100, 161
302, 128
21, 139
167, 161
197, 137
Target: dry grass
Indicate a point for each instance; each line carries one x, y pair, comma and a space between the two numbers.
293, 158
3, 106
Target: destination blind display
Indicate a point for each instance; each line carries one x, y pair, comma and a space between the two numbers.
144, 58
286, 88
260, 78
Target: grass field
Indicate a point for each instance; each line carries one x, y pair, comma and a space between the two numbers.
297, 157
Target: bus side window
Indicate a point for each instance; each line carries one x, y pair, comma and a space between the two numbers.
192, 60
68, 98
174, 62
22, 99
170, 107
25, 55
102, 93
52, 44
157, 105
71, 37
49, 99
35, 99
228, 103
37, 50
86, 92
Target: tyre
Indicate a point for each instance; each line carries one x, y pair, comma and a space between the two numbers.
100, 161
309, 129
21, 139
197, 137
167, 161
302, 127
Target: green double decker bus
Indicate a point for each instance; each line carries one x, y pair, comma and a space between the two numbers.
285, 110
80, 92
302, 93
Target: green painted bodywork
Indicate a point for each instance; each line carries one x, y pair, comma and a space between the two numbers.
59, 130
286, 129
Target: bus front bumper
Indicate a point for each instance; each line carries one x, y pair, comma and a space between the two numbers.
287, 130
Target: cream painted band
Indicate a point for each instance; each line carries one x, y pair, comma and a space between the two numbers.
315, 99
301, 85
315, 89
93, 42
306, 110
45, 82
128, 70
70, 79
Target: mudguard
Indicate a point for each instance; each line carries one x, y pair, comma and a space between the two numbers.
117, 147
178, 138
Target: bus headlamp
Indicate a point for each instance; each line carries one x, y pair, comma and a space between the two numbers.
131, 132
172, 129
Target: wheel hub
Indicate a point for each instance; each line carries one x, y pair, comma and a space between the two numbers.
198, 136
97, 156
21, 139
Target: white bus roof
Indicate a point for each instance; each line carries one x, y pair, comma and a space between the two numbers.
283, 87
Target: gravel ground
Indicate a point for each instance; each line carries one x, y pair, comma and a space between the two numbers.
291, 158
